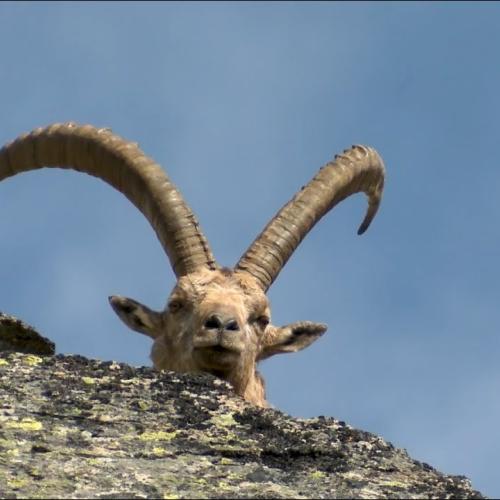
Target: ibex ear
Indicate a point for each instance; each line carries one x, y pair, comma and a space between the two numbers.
290, 338
137, 316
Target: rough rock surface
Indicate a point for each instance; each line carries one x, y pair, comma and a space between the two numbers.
16, 335
71, 427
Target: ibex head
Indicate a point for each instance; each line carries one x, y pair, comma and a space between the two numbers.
216, 319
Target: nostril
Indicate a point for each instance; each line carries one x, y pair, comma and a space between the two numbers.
213, 323
232, 325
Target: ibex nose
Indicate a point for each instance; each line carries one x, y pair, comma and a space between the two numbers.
215, 322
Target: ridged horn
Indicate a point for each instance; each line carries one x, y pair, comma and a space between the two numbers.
122, 164
359, 169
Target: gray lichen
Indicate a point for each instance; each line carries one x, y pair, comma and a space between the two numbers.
71, 427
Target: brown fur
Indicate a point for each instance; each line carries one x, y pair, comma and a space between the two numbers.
184, 343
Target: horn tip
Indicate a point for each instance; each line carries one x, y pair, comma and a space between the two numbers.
363, 227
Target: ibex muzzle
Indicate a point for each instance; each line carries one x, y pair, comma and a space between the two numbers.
217, 319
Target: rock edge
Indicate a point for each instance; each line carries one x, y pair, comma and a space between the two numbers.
72, 427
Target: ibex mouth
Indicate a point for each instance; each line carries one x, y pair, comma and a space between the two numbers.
217, 349
216, 356
216, 343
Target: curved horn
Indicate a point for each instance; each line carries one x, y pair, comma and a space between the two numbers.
357, 169
124, 166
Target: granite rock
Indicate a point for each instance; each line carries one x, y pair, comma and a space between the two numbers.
72, 427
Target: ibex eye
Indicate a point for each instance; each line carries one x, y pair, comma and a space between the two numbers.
263, 321
174, 306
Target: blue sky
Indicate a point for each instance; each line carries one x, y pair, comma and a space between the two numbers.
242, 103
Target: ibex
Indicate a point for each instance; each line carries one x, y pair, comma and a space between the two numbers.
216, 319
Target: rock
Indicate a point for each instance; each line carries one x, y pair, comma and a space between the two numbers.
71, 427
16, 335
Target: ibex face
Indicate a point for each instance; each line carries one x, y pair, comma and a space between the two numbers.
217, 319
217, 322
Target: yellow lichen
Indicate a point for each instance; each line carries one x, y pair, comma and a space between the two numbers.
88, 380
143, 405
233, 477
170, 496
157, 436
35, 472
3, 362
225, 420
223, 485
17, 483
26, 424
159, 451
226, 461
32, 360
318, 474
